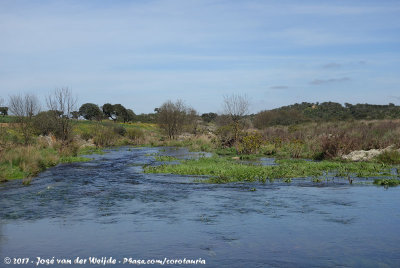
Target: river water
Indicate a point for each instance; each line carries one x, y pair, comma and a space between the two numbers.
109, 208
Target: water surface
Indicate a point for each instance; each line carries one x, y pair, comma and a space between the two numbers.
108, 207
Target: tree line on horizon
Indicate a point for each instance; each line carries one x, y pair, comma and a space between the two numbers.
286, 115
327, 111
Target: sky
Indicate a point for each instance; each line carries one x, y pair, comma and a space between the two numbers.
144, 52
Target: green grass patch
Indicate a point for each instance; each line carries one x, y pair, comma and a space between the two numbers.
72, 159
7, 119
143, 126
11, 172
223, 170
165, 158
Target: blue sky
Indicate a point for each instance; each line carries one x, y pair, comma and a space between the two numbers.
141, 53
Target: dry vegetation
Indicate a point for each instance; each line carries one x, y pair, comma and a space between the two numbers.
333, 139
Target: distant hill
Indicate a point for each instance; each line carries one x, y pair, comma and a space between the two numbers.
326, 111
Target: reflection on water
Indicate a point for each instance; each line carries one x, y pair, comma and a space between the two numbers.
108, 207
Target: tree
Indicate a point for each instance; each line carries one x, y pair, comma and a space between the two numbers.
90, 111
236, 106
147, 118
109, 111
172, 117
120, 112
75, 114
3, 109
208, 117
192, 119
130, 115
63, 103
24, 108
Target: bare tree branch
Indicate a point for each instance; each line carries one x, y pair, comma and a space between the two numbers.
24, 108
172, 117
62, 100
236, 106
63, 103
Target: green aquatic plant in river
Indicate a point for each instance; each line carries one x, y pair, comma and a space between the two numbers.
387, 182
223, 170
165, 158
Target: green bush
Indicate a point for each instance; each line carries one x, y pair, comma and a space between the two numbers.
268, 149
45, 123
251, 143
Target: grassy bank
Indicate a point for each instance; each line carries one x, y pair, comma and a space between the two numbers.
22, 158
223, 170
28, 161
106, 133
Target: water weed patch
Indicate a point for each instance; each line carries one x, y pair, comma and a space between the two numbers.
223, 170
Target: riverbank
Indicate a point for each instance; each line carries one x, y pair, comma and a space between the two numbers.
25, 161
25, 156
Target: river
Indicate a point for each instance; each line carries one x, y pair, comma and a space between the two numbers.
108, 207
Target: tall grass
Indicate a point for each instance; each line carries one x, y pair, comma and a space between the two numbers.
136, 135
390, 157
24, 161
104, 136
28, 161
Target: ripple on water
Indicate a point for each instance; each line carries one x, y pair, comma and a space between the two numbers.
108, 206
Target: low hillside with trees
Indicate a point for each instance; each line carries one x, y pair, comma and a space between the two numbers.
324, 112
